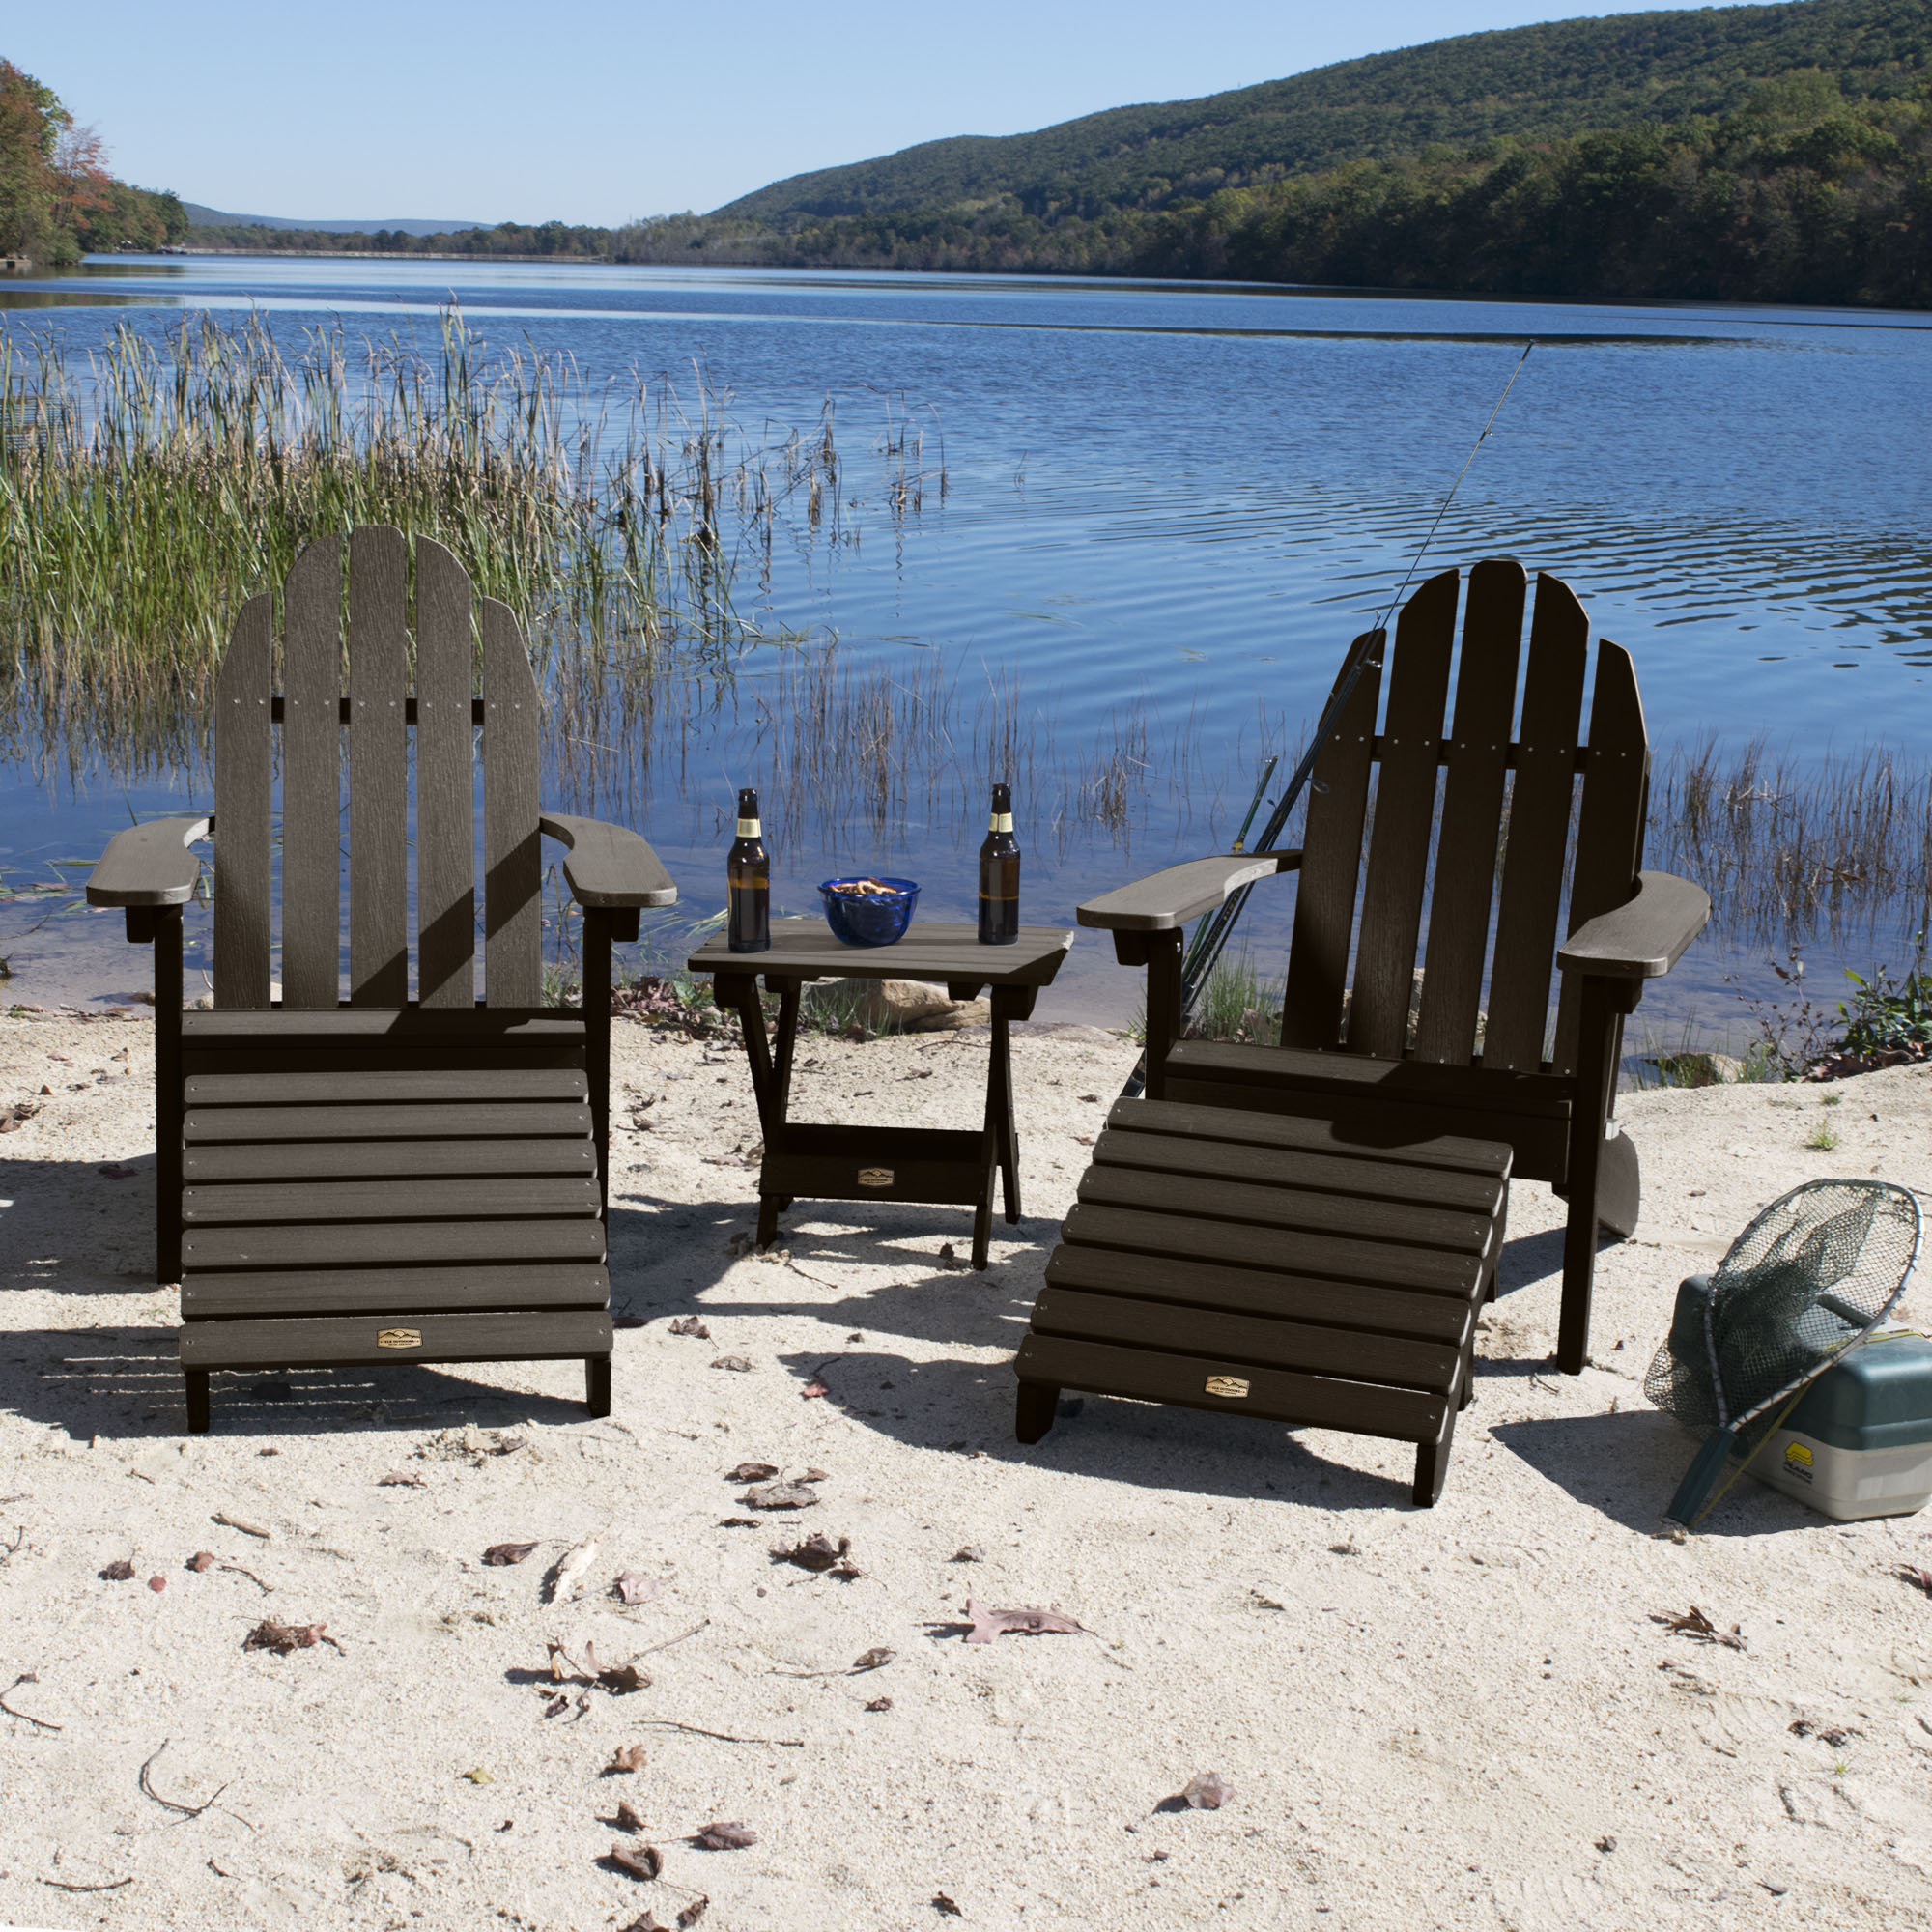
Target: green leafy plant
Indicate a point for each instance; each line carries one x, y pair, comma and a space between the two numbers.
1888, 1019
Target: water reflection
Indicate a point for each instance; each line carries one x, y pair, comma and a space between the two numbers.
1168, 507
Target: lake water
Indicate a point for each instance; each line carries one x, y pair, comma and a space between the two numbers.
1167, 509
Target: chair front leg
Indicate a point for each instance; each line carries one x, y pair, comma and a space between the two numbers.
161, 927
1600, 1029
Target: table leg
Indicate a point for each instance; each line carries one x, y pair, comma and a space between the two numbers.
742, 994
787, 1039
1000, 1101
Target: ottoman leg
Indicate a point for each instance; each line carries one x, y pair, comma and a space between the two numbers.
597, 1384
1034, 1413
1432, 1463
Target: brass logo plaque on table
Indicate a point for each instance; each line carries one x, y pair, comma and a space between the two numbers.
1230, 1385
399, 1338
876, 1176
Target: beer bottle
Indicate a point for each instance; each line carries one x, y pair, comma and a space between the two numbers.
748, 871
1000, 874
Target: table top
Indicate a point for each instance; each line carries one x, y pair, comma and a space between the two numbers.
804, 948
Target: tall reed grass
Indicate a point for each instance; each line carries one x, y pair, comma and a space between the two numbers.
1838, 844
146, 489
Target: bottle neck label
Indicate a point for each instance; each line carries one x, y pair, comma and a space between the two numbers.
747, 827
1001, 821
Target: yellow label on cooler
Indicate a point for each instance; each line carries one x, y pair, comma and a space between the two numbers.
1796, 1454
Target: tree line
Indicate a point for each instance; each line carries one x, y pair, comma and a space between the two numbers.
58, 201
1799, 196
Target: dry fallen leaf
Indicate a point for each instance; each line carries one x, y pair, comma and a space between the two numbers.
1693, 1623
779, 1497
635, 1589
819, 1553
499, 1556
1208, 1791
281, 1638
629, 1817
752, 1472
878, 1704
725, 1835
690, 1325
812, 1390
399, 1479
875, 1658
119, 1571
969, 1553
639, 1861
477, 1775
1919, 1580
817, 1476
158, 1585
944, 1907
737, 1363
988, 1624
570, 1568
689, 1914
202, 1559
627, 1757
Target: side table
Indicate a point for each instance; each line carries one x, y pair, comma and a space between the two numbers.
883, 1163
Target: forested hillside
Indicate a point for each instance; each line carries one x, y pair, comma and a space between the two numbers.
57, 199
1562, 78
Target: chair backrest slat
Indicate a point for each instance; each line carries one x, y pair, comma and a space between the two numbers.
446, 781
1424, 640
1610, 827
376, 716
512, 858
1472, 810
244, 763
1540, 802
312, 777
379, 768
1324, 904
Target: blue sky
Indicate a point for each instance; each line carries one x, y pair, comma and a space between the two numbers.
596, 110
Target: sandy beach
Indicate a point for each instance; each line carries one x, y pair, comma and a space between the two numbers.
1467, 1716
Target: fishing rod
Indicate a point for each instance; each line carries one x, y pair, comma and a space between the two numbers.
1211, 935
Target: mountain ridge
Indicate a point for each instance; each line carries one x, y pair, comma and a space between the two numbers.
201, 215
1555, 78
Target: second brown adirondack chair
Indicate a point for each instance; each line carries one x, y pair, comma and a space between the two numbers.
1305, 1231
381, 1178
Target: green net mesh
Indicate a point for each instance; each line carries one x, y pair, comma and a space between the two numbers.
1812, 1273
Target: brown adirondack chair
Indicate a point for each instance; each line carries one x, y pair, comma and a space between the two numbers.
1307, 1230
380, 1178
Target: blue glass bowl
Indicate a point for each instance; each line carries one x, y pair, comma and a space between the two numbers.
874, 918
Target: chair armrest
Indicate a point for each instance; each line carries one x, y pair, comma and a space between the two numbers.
609, 864
1644, 937
1168, 898
149, 864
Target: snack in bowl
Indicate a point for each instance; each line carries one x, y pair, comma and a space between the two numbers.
868, 909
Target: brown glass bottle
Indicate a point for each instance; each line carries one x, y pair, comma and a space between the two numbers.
747, 872
999, 875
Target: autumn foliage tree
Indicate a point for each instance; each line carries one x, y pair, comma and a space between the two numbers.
58, 200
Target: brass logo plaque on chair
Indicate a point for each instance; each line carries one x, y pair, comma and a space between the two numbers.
412, 1338
1229, 1386
876, 1176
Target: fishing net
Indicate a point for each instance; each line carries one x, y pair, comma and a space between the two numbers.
1811, 1276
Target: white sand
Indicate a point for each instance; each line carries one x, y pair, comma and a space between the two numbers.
1461, 1717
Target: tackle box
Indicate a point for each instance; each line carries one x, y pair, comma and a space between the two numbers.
1860, 1441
